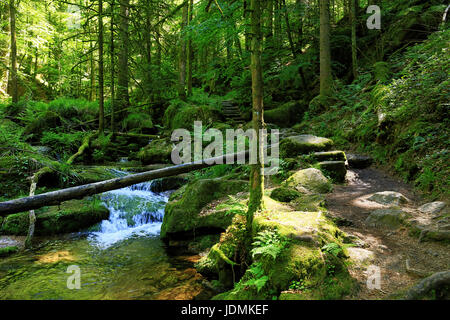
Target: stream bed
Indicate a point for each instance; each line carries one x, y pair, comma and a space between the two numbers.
121, 258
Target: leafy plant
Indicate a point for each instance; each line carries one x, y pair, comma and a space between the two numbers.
268, 244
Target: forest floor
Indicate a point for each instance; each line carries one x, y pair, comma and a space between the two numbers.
390, 248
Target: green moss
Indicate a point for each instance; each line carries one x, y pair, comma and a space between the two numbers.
71, 216
286, 115
336, 170
301, 259
310, 179
284, 194
7, 251
329, 156
183, 115
157, 151
294, 146
309, 202
183, 212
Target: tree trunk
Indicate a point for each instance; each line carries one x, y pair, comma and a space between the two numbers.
123, 98
256, 176
182, 56
56, 197
13, 72
112, 67
325, 54
354, 48
277, 25
190, 55
101, 98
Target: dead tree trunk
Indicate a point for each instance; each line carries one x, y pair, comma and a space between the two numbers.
56, 197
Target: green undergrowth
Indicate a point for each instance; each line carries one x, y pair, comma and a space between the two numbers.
397, 114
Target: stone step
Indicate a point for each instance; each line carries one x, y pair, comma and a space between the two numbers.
336, 170
335, 155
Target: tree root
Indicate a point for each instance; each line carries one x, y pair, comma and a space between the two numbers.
83, 147
436, 282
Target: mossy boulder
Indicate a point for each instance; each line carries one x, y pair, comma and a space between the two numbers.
300, 255
168, 183
70, 216
184, 216
138, 122
284, 194
336, 170
286, 115
311, 180
329, 156
157, 151
294, 146
390, 218
7, 251
183, 115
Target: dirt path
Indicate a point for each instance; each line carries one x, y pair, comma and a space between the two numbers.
389, 249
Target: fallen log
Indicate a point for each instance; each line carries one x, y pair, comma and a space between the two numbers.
79, 192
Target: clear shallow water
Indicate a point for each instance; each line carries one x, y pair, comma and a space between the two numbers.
124, 259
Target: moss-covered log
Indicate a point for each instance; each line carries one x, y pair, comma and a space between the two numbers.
56, 197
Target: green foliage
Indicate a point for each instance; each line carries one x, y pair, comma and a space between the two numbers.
267, 244
62, 144
332, 248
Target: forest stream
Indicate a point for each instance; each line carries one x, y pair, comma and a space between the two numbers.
123, 258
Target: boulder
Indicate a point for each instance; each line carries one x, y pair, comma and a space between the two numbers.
294, 146
388, 198
356, 161
329, 156
7, 251
433, 208
183, 115
70, 216
183, 217
157, 151
310, 179
336, 170
286, 115
284, 194
390, 218
168, 183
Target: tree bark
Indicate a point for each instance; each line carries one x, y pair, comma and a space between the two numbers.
354, 48
190, 55
112, 67
56, 197
101, 98
13, 72
182, 56
123, 98
325, 53
256, 176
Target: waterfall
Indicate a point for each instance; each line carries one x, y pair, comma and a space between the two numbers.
134, 211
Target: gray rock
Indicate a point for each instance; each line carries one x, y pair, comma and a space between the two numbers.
391, 218
303, 144
433, 208
388, 198
329, 156
310, 179
356, 161
336, 170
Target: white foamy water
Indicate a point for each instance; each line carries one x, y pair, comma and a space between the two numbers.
134, 211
